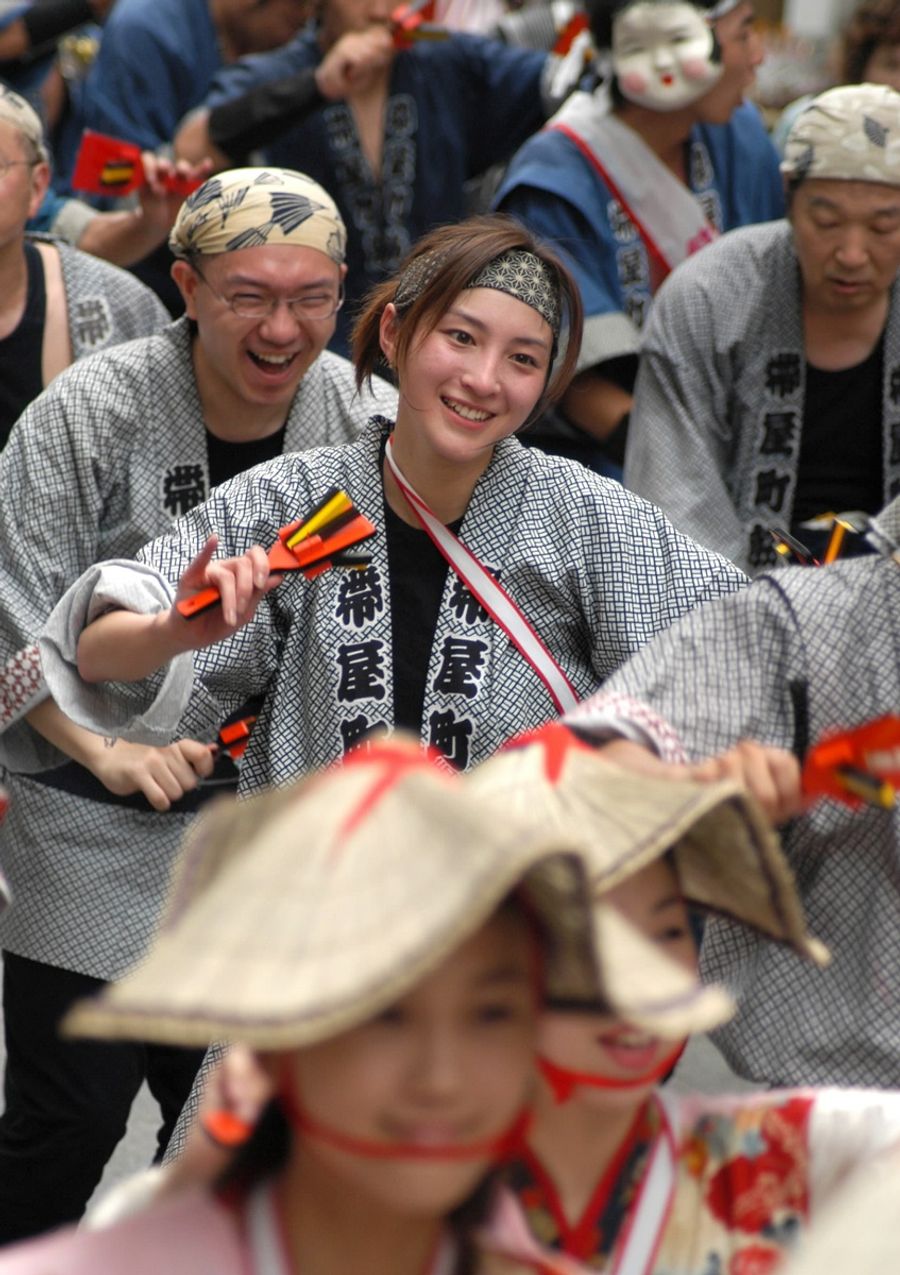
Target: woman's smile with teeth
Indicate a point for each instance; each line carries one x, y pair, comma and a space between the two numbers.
629, 1049
468, 413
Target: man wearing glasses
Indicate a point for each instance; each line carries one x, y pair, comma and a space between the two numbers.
105, 460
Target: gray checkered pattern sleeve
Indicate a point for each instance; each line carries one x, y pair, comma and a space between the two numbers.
721, 674
109, 707
53, 488
698, 389
678, 435
641, 574
173, 701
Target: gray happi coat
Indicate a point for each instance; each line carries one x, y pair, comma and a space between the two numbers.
105, 305
99, 464
597, 572
801, 652
714, 437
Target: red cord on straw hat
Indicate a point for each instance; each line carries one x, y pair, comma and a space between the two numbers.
563, 1082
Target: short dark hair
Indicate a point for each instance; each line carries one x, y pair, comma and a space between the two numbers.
465, 248
602, 12
874, 22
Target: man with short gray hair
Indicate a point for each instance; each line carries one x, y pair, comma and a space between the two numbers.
769, 386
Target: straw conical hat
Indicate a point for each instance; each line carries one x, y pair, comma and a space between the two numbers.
299, 914
728, 860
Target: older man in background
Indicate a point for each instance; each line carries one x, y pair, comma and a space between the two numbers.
769, 389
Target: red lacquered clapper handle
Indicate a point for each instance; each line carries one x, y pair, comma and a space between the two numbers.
235, 737
857, 767
310, 544
412, 21
108, 165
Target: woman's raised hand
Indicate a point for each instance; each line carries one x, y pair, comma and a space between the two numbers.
241, 582
126, 646
769, 774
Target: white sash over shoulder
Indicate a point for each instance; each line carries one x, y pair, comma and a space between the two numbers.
669, 217
492, 596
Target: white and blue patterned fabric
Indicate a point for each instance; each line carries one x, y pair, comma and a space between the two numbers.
553, 187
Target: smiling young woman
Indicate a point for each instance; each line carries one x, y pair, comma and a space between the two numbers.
472, 327
479, 538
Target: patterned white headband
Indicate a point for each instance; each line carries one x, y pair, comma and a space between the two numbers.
851, 133
517, 272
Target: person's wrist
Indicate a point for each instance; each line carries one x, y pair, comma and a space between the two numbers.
321, 86
168, 634
87, 750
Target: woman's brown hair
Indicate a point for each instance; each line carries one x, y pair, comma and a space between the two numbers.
460, 252
873, 23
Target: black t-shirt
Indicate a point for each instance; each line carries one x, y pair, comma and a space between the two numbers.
841, 461
226, 458
418, 572
21, 378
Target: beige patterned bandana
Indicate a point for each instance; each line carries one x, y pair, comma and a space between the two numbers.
850, 133
517, 272
250, 207
16, 111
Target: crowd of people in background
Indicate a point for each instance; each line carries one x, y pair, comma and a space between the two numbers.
461, 442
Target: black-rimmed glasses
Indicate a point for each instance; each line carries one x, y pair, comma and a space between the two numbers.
259, 305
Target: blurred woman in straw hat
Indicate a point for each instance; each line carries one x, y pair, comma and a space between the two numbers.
554, 574
614, 1173
392, 998
618, 1174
